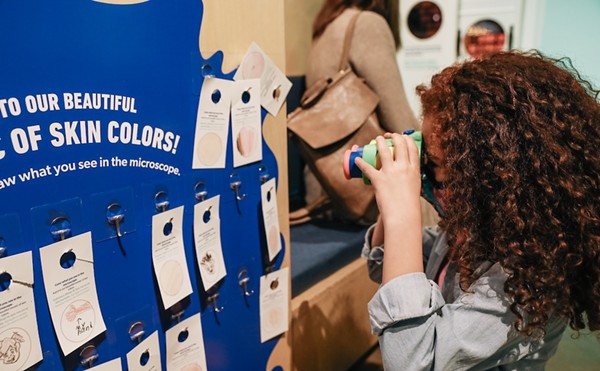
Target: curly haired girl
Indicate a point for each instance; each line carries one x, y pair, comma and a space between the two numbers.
512, 147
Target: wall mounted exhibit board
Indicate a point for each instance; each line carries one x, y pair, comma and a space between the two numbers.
488, 25
99, 107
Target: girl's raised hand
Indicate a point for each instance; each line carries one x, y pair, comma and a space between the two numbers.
397, 180
397, 185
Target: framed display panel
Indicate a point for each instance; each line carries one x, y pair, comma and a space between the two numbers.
488, 25
427, 33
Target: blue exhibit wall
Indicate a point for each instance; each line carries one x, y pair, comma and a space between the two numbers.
58, 161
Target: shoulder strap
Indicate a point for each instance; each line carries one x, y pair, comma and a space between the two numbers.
315, 210
347, 41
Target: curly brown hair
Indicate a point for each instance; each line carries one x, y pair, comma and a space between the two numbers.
520, 133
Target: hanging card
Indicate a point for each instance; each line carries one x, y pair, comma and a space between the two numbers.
245, 122
270, 217
168, 256
185, 346
274, 84
274, 304
19, 339
207, 237
146, 355
114, 365
68, 271
212, 124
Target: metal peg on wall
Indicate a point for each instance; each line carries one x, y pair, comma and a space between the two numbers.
161, 201
115, 215
88, 355
60, 228
235, 186
200, 191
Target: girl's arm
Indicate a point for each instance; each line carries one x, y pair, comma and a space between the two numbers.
397, 190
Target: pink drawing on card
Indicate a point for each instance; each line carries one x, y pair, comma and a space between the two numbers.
78, 320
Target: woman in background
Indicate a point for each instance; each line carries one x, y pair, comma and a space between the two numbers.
372, 55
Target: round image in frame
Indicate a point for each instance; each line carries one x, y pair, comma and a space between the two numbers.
15, 347
171, 277
274, 318
246, 141
274, 238
253, 66
208, 262
425, 19
191, 367
78, 320
209, 149
484, 37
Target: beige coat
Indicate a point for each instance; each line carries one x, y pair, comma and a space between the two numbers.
373, 57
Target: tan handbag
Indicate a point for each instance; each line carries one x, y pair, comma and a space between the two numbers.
334, 114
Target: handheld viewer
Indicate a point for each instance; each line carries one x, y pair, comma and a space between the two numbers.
369, 154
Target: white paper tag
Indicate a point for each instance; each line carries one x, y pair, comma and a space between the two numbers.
274, 304
185, 346
207, 237
246, 131
270, 217
212, 124
114, 365
274, 84
168, 256
146, 355
71, 291
19, 339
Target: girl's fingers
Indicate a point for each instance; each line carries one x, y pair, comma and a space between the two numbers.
400, 147
383, 151
365, 167
413, 152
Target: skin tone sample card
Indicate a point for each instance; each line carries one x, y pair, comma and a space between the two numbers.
68, 271
207, 237
146, 355
245, 122
212, 124
270, 217
185, 346
273, 83
274, 304
168, 256
19, 339
114, 365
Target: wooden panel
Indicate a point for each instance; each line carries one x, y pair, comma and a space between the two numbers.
231, 25
299, 17
330, 321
